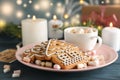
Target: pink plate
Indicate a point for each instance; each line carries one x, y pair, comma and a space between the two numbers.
109, 54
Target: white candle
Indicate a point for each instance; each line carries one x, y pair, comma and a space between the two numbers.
34, 30
111, 37
54, 31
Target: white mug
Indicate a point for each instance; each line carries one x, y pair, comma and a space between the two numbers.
86, 41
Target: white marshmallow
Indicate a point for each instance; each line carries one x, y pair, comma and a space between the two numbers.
38, 62
80, 66
6, 66
42, 63
94, 58
15, 75
93, 63
101, 58
48, 64
17, 71
88, 30
6, 70
73, 31
81, 31
56, 66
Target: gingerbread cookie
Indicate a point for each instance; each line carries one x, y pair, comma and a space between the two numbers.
65, 54
35, 53
8, 55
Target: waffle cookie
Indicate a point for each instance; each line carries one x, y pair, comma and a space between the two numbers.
65, 54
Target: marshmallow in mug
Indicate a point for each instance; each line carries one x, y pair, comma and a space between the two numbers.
84, 37
82, 31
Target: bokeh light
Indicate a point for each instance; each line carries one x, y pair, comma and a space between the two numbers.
30, 1
28, 15
25, 5
7, 8
36, 7
19, 14
19, 2
45, 4
2, 24
48, 14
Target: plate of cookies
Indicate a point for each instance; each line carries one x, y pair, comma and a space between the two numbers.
60, 56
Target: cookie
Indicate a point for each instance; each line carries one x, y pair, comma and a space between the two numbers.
65, 54
8, 55
37, 52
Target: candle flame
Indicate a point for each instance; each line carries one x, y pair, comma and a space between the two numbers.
34, 17
111, 24
54, 17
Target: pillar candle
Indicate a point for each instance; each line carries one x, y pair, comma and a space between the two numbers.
34, 30
54, 28
111, 37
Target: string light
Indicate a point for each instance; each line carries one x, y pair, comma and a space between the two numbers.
19, 2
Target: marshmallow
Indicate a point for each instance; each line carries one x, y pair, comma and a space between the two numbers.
6, 70
81, 31
48, 64
56, 66
16, 73
42, 64
94, 58
101, 58
88, 30
82, 65
6, 66
93, 63
27, 59
38, 62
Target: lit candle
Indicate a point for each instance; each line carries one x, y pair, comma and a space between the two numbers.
54, 28
34, 30
111, 37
